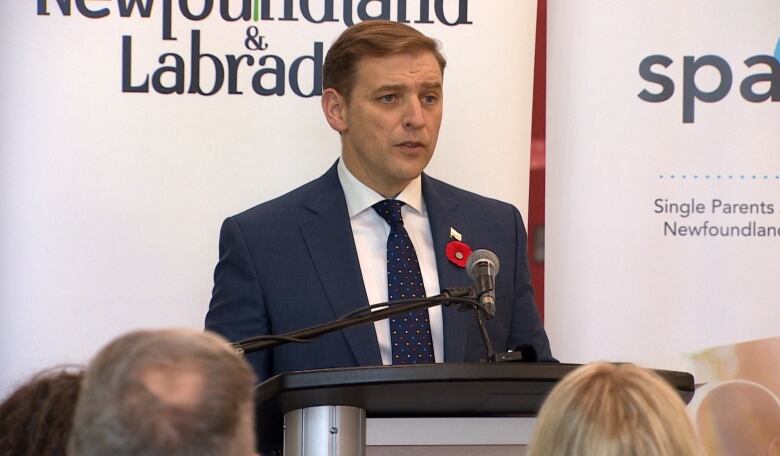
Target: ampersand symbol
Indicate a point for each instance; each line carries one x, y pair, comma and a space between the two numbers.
254, 41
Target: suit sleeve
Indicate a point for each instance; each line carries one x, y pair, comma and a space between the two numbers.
237, 310
526, 326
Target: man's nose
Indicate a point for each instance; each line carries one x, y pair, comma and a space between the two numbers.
414, 115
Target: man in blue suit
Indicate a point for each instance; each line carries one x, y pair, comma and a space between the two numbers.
321, 251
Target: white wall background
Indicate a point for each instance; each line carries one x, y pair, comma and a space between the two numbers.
111, 202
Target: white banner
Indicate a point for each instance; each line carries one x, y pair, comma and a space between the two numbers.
663, 178
129, 129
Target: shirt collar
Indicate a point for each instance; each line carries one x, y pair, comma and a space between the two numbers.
360, 197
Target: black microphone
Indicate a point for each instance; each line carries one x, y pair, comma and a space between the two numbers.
529, 353
482, 267
525, 353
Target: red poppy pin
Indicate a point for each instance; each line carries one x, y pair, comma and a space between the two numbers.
457, 251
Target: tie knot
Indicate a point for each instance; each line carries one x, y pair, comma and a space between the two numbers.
390, 210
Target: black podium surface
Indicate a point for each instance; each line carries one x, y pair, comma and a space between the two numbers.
425, 390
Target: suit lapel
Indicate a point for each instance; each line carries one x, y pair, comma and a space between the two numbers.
443, 215
328, 237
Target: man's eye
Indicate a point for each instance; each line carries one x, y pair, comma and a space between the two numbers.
388, 98
430, 99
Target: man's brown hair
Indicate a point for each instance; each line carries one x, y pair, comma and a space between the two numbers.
374, 38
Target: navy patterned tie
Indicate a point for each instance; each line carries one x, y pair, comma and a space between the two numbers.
410, 333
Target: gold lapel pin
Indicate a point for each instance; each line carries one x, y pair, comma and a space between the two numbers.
455, 235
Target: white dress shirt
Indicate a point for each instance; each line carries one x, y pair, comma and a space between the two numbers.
370, 232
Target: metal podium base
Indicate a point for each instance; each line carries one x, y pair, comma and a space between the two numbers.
328, 430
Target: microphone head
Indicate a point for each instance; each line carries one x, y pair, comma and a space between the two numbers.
481, 256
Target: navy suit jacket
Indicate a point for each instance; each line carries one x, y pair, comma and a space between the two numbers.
291, 263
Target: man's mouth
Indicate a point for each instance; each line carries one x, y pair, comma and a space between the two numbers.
411, 144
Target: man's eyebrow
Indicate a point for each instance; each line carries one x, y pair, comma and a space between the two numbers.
390, 88
400, 87
432, 85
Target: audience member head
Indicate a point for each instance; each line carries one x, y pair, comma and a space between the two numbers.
739, 417
613, 410
374, 38
36, 419
165, 392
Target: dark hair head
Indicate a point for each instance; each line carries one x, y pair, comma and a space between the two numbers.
374, 38
37, 418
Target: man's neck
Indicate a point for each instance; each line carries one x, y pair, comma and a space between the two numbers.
388, 190
359, 196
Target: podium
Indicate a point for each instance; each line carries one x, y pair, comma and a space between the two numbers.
324, 411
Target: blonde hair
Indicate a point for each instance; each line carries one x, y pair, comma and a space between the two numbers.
613, 410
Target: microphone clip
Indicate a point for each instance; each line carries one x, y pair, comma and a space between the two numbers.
466, 293
469, 301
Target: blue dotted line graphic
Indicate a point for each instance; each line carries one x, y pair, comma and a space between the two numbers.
740, 177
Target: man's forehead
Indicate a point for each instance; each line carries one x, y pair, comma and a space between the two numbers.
385, 70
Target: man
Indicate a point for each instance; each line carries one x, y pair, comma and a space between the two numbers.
170, 392
321, 251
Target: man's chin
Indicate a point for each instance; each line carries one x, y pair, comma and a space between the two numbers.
413, 163
406, 178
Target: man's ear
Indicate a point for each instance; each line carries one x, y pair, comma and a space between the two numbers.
335, 108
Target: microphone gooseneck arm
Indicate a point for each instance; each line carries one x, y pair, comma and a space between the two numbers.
491, 355
363, 315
